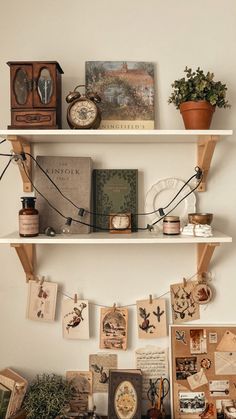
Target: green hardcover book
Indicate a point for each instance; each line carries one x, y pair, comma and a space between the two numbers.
114, 191
5, 395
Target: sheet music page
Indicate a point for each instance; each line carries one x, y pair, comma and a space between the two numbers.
153, 362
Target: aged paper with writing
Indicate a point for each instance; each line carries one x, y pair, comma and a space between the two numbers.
153, 362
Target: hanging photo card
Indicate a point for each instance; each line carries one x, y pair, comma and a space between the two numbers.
81, 383
151, 316
184, 308
113, 328
42, 298
100, 365
75, 319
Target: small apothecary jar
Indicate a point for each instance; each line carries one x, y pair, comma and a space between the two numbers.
28, 218
171, 225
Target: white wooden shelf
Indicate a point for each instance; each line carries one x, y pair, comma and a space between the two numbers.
112, 136
109, 238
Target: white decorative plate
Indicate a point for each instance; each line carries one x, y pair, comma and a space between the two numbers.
162, 192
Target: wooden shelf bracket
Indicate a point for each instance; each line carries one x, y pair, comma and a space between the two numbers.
20, 145
205, 252
26, 254
205, 148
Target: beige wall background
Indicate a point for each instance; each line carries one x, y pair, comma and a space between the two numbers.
172, 35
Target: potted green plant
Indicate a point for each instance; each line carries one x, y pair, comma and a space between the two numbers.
197, 95
47, 396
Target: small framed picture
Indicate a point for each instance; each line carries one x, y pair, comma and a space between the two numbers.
41, 303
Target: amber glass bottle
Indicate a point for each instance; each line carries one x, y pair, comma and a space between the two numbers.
28, 218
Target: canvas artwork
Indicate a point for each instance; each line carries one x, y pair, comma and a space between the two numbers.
81, 383
100, 365
41, 301
151, 316
75, 319
113, 328
127, 92
184, 308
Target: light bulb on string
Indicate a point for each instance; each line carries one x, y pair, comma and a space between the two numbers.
66, 228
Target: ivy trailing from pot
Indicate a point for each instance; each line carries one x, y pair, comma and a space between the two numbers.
197, 95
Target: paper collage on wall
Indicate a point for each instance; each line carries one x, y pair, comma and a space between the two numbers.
113, 328
75, 318
100, 365
81, 383
151, 316
204, 371
41, 304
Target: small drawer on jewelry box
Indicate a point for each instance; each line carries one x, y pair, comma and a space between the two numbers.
34, 118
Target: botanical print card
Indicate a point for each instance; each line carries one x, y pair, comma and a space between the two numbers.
127, 94
42, 298
151, 316
81, 383
113, 328
184, 308
100, 365
75, 319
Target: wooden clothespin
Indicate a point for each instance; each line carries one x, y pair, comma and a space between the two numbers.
42, 280
150, 298
185, 282
114, 307
75, 298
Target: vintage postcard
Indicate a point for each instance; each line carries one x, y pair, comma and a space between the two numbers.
184, 308
100, 365
213, 337
113, 328
127, 93
151, 316
81, 383
197, 380
185, 367
75, 319
192, 402
219, 388
42, 298
198, 341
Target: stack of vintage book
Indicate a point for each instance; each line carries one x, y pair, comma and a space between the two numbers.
12, 392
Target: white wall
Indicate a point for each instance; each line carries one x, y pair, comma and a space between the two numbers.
172, 34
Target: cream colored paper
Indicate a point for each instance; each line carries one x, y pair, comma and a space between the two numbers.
75, 319
225, 363
184, 308
153, 362
197, 380
151, 316
227, 343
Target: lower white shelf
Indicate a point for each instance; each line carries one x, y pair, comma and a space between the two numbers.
109, 238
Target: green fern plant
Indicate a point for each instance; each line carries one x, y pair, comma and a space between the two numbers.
197, 85
47, 396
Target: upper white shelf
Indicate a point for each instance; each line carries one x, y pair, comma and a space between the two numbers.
143, 237
112, 136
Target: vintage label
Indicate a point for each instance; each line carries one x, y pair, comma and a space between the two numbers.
28, 224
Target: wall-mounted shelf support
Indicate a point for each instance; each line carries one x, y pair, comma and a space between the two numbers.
20, 145
205, 252
206, 146
26, 253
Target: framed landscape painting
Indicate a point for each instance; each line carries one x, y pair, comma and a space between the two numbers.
127, 93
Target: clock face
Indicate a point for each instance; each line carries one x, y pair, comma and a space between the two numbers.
83, 113
120, 221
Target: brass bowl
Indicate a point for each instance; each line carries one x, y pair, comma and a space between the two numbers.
200, 218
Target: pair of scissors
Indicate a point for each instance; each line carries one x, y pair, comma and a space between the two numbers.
158, 390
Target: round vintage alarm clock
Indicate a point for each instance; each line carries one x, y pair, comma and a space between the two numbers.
83, 112
120, 223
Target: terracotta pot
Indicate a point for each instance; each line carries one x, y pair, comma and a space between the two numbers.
197, 115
